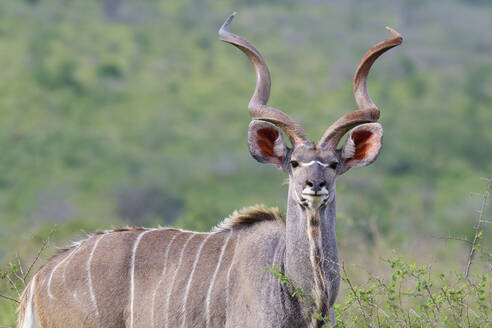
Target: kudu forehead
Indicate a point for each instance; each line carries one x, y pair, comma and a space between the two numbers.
306, 153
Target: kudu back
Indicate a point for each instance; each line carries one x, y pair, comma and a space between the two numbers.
174, 278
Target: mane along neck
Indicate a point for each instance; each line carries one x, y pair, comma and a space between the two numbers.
248, 216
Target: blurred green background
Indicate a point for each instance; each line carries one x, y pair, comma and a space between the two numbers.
119, 112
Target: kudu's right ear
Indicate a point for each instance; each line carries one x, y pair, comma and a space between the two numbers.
363, 145
266, 143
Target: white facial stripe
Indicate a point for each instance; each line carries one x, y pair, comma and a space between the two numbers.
312, 162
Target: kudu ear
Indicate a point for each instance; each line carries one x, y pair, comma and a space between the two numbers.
362, 145
266, 143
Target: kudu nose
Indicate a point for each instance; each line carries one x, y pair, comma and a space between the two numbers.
315, 185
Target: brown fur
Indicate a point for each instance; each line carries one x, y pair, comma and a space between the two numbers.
63, 250
111, 266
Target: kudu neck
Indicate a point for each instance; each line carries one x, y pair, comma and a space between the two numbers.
311, 255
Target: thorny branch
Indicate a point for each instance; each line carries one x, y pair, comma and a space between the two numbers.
449, 237
9, 298
477, 228
43, 247
19, 273
20, 276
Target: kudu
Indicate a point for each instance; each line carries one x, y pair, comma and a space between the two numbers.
176, 278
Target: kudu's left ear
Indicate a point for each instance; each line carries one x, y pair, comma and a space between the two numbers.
362, 145
266, 143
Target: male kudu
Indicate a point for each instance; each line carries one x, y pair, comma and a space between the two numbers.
175, 278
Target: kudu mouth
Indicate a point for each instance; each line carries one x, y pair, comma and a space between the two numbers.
315, 194
314, 200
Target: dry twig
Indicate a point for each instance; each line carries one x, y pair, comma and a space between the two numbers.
9, 298
43, 247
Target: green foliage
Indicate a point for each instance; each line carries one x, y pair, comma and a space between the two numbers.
412, 296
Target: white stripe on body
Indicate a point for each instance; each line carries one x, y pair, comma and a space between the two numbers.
50, 295
132, 274
229, 274
197, 257
312, 162
174, 278
166, 255
89, 275
68, 261
212, 282
29, 315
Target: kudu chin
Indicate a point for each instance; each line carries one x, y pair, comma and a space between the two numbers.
174, 278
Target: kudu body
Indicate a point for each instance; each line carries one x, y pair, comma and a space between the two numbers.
175, 278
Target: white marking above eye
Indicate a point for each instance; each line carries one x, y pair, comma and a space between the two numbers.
313, 162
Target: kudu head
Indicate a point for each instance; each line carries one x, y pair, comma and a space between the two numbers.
312, 167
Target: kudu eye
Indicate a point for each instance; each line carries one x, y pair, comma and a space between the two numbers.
294, 164
334, 165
